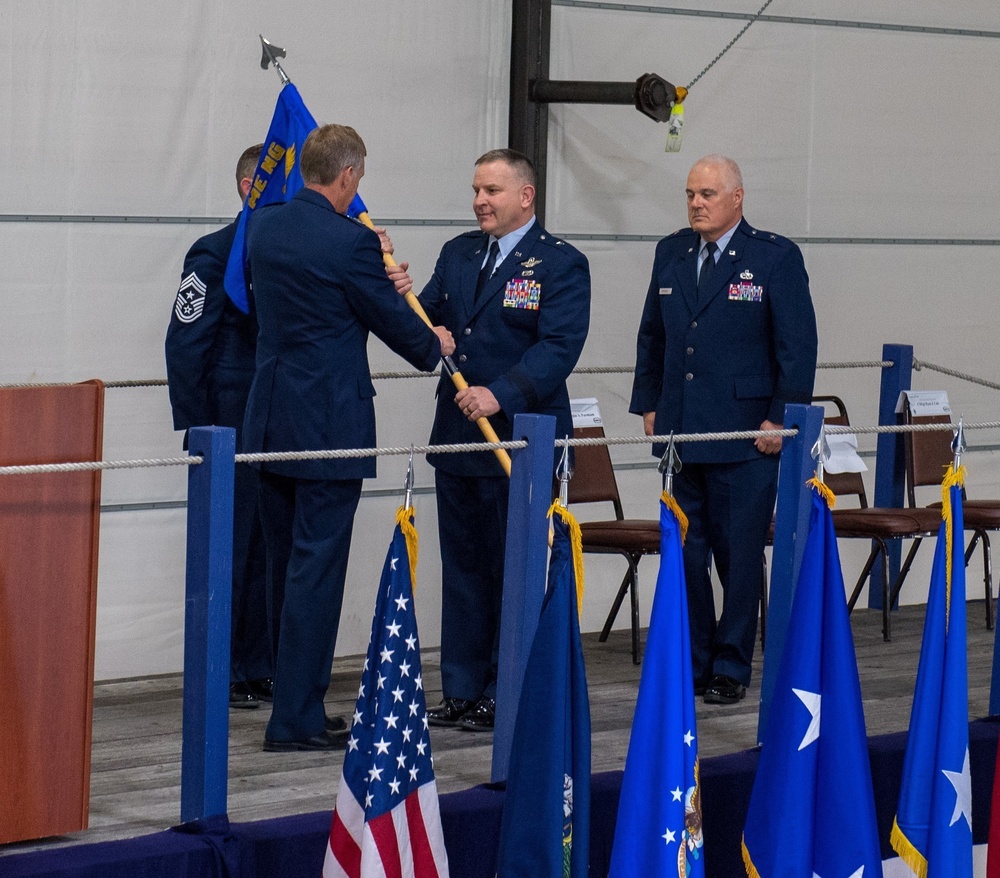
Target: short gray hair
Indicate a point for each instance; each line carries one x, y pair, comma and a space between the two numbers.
327, 151
730, 170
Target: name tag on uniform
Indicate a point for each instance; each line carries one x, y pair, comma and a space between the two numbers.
745, 292
666, 291
521, 293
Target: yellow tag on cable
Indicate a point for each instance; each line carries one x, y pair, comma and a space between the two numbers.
674, 128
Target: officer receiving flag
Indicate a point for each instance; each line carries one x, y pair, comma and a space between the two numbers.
812, 808
658, 830
387, 820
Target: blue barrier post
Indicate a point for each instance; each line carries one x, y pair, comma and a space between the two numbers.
791, 526
207, 620
524, 572
890, 460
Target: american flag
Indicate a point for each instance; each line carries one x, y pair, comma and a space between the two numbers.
387, 823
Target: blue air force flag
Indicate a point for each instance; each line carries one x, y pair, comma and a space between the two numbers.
545, 828
932, 831
658, 831
812, 809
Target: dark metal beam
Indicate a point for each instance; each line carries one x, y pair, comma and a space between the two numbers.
531, 28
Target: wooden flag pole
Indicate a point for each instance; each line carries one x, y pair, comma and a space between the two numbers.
456, 376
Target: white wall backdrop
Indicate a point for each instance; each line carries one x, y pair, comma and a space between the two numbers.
851, 139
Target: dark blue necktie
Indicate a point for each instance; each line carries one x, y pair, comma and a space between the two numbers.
707, 269
487, 270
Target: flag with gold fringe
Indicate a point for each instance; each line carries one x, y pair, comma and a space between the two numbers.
658, 828
812, 808
932, 832
276, 178
545, 827
387, 820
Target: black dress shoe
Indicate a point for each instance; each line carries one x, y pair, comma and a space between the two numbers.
449, 712
481, 717
263, 688
337, 726
724, 690
699, 687
323, 741
241, 697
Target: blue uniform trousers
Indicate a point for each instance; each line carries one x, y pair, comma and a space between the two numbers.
729, 508
307, 526
472, 526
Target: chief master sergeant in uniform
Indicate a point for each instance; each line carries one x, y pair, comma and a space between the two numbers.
517, 300
727, 337
210, 350
320, 287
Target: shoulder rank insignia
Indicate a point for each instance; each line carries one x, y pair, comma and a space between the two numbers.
747, 275
531, 262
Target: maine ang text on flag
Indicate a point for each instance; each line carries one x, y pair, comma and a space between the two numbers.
387, 820
658, 830
277, 178
545, 827
932, 832
812, 808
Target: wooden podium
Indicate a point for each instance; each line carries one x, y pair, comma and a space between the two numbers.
48, 607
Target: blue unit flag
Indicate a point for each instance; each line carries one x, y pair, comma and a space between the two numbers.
812, 808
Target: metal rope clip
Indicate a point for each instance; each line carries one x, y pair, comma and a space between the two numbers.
408, 483
820, 452
958, 444
565, 473
669, 464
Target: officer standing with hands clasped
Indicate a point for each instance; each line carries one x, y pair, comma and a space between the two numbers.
727, 338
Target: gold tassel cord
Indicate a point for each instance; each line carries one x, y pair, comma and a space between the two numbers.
404, 518
673, 506
824, 491
576, 546
952, 479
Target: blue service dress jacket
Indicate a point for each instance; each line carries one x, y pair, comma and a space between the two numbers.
319, 285
733, 358
521, 339
211, 344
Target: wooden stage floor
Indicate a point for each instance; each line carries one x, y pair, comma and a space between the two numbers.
135, 786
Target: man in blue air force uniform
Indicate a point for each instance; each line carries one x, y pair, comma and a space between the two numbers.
723, 348
210, 350
320, 287
517, 300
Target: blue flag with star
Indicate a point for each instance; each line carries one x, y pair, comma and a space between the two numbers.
276, 178
812, 808
932, 831
545, 827
658, 829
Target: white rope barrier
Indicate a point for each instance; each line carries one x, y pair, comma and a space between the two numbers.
580, 370
918, 365
344, 453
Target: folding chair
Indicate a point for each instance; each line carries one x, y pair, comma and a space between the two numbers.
927, 458
878, 524
594, 481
